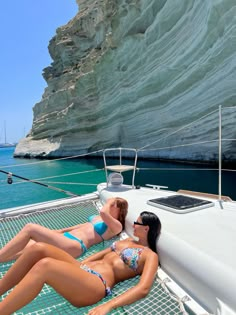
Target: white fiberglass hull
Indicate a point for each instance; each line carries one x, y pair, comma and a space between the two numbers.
197, 249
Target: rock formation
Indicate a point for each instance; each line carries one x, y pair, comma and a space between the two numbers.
133, 73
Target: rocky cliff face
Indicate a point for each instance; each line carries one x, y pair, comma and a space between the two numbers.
133, 74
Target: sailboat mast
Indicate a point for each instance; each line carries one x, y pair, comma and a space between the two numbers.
5, 132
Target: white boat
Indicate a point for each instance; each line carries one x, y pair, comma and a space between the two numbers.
6, 144
196, 247
197, 243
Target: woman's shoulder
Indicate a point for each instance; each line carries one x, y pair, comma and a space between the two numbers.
150, 256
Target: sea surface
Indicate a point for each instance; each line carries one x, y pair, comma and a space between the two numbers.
80, 176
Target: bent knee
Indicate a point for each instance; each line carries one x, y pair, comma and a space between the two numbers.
44, 264
29, 227
38, 248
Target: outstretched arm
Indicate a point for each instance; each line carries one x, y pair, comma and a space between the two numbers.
137, 292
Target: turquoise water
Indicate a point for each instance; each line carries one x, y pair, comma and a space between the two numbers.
23, 192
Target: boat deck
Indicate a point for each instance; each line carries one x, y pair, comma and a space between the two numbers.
196, 246
159, 300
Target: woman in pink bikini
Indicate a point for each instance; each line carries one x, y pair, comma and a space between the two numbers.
75, 240
87, 282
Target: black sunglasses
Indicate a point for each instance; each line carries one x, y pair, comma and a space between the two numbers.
138, 223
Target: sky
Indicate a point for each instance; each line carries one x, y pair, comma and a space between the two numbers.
26, 29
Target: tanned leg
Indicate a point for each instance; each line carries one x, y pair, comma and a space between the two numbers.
28, 259
57, 269
32, 233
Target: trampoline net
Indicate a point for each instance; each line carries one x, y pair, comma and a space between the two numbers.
158, 301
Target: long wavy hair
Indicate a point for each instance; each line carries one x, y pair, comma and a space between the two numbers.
154, 223
122, 204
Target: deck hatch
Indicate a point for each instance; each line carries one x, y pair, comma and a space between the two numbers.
180, 203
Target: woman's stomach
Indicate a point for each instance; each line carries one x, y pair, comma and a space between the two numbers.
112, 268
87, 234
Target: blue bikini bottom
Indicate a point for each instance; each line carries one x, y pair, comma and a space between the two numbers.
72, 237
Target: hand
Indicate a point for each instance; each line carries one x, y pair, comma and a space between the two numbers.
111, 202
108, 207
100, 310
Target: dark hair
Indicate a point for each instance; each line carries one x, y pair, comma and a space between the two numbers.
154, 223
122, 204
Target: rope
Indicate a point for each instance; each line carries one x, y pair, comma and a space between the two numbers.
179, 300
181, 145
177, 169
186, 126
70, 174
72, 183
38, 183
101, 150
229, 107
187, 144
50, 177
59, 159
183, 169
228, 139
3, 183
174, 132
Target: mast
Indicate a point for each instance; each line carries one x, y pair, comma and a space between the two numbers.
5, 132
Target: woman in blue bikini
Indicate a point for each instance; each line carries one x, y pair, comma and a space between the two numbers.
87, 282
75, 240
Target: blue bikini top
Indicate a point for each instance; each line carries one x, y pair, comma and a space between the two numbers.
99, 227
130, 255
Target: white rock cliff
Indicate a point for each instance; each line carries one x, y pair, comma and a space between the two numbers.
129, 73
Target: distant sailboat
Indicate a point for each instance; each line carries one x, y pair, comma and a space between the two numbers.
6, 144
